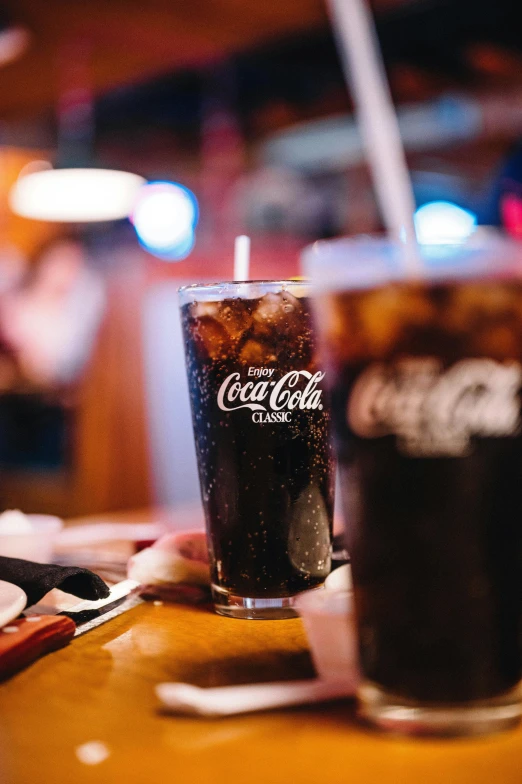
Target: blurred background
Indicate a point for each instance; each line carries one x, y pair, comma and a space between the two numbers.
138, 138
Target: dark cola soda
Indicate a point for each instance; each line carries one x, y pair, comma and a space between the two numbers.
426, 389
262, 431
426, 402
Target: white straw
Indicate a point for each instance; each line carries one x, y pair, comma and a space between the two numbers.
379, 126
242, 257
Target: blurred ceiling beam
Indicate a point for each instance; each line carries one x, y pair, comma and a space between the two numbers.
429, 46
133, 40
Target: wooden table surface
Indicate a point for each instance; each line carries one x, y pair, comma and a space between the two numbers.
101, 688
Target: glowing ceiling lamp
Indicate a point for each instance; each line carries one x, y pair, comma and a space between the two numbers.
165, 216
442, 222
82, 195
74, 190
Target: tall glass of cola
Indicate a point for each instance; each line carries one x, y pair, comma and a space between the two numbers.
262, 431
425, 377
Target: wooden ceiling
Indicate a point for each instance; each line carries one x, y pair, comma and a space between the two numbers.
132, 40
111, 43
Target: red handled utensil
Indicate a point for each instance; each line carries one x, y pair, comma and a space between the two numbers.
28, 638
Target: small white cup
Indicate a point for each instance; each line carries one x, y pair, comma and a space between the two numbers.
35, 545
330, 627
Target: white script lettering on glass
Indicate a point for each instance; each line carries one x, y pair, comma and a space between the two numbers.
276, 396
433, 411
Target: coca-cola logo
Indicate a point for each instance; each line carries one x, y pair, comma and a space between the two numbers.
272, 400
433, 411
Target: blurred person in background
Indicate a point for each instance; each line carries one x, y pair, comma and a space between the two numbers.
12, 270
50, 321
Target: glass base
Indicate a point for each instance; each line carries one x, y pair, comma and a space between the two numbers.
393, 714
232, 606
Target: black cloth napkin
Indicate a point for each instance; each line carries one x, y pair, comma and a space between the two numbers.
37, 579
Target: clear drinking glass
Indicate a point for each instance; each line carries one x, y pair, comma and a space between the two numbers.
425, 376
262, 431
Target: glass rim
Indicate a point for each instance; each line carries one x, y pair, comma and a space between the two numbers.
372, 261
482, 237
244, 288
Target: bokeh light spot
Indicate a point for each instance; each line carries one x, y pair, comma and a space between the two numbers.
442, 222
165, 216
